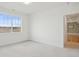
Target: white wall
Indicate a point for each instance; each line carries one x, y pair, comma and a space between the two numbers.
14, 37
47, 26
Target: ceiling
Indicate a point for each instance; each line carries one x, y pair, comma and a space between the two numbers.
30, 8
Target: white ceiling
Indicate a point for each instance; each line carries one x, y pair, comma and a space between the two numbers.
31, 8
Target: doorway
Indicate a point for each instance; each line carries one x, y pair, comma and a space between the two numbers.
71, 37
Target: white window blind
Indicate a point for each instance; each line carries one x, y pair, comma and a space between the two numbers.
10, 23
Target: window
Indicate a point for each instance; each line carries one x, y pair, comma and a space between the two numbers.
10, 23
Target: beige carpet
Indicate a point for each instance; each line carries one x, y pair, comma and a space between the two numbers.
35, 49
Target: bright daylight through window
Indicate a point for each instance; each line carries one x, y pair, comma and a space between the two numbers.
9, 23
